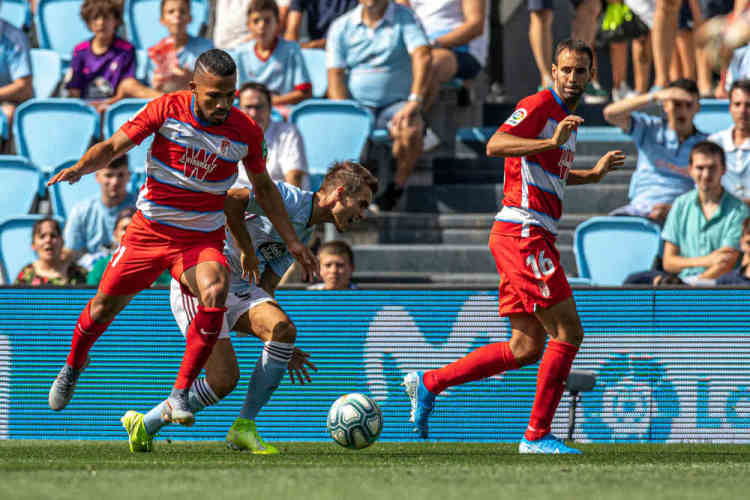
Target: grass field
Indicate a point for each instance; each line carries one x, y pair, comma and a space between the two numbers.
392, 471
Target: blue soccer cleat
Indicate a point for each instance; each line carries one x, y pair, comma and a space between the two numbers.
422, 401
549, 444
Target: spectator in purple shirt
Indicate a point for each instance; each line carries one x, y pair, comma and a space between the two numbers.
103, 68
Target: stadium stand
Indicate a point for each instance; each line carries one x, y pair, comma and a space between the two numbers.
115, 116
315, 61
143, 26
64, 195
23, 180
46, 68
16, 12
15, 244
59, 26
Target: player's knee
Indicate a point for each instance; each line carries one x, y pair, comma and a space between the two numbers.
284, 331
528, 354
214, 293
103, 309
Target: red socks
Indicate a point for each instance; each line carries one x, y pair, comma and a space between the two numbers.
550, 384
202, 334
84, 336
484, 362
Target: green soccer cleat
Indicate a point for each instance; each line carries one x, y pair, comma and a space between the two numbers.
244, 436
138, 438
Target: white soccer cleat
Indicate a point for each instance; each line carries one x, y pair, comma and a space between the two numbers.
177, 410
62, 389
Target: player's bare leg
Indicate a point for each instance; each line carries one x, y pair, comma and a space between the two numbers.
93, 321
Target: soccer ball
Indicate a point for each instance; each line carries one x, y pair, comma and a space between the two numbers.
355, 421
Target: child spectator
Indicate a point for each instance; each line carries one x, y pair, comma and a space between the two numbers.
336, 266
271, 60
172, 60
103, 67
50, 268
15, 69
740, 275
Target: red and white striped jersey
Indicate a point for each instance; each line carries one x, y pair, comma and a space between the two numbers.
535, 184
191, 164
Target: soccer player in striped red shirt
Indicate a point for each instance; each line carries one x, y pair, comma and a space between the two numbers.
199, 138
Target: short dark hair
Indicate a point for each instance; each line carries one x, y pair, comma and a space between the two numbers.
91, 9
258, 87
687, 85
337, 247
351, 175
217, 62
743, 85
120, 161
574, 46
38, 224
261, 5
161, 5
708, 148
125, 213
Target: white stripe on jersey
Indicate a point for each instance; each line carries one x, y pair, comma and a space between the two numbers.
527, 218
161, 172
205, 222
534, 175
187, 136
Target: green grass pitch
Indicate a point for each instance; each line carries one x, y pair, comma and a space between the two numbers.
393, 471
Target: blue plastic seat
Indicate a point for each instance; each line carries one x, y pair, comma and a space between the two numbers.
64, 195
115, 116
608, 249
15, 245
315, 61
50, 131
21, 182
141, 66
144, 28
46, 68
59, 26
332, 131
713, 116
16, 12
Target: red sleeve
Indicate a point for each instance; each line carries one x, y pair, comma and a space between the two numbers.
527, 120
146, 121
255, 160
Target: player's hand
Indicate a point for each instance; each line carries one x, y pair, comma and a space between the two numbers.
405, 116
566, 127
70, 175
298, 366
720, 257
659, 212
673, 94
250, 267
610, 161
307, 260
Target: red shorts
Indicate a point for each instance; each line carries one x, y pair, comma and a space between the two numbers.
144, 254
530, 273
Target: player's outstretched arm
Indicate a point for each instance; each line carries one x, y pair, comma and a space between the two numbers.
97, 157
610, 161
234, 208
502, 144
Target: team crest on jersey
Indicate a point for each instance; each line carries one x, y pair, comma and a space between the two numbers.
517, 117
224, 148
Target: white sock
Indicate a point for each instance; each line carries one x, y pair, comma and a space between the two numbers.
200, 396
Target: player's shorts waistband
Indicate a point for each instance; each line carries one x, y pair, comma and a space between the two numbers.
515, 229
148, 231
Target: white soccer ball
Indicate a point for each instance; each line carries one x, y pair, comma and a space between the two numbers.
355, 421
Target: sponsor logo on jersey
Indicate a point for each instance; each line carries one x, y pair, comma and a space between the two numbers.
517, 117
198, 162
272, 250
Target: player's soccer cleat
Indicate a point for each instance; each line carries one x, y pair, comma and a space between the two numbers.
177, 410
422, 402
138, 439
62, 389
549, 444
244, 436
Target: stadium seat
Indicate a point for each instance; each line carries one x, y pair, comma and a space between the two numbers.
114, 117
50, 131
142, 20
141, 66
21, 182
59, 26
15, 245
64, 195
315, 61
713, 116
332, 131
608, 249
4, 128
46, 68
16, 12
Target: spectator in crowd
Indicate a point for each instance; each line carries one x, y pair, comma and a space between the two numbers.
683, 62
735, 141
378, 55
285, 160
91, 222
15, 69
541, 17
103, 68
458, 31
123, 221
172, 60
618, 55
271, 60
336, 266
664, 146
320, 15
50, 268
741, 274
669, 36
231, 30
702, 231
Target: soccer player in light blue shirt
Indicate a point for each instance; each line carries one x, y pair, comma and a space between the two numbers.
91, 223
735, 141
342, 199
273, 61
664, 146
15, 69
378, 55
